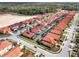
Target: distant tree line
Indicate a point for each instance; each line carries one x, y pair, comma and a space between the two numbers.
71, 6
29, 10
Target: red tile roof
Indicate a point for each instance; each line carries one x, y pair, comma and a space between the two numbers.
55, 36
28, 34
4, 44
54, 17
37, 28
57, 28
56, 31
5, 30
63, 24
14, 52
47, 44
49, 39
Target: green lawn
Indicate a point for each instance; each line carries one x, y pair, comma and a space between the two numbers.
74, 40
69, 24
28, 49
32, 41
63, 38
1, 33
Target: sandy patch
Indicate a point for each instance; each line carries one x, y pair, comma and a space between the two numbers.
8, 19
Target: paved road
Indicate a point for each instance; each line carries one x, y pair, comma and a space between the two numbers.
63, 53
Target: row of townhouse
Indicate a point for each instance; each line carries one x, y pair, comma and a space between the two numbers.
54, 35
37, 29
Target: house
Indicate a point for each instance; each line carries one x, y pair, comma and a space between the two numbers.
14, 52
5, 30
57, 28
49, 39
55, 36
28, 34
56, 31
15, 26
47, 44
22, 25
5, 46
37, 28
